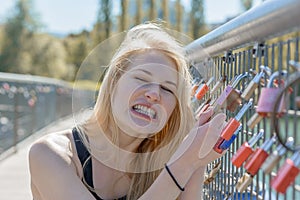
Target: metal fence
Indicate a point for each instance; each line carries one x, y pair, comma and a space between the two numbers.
265, 36
28, 103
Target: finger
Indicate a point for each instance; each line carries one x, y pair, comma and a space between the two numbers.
205, 116
215, 127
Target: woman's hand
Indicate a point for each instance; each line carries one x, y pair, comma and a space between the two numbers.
197, 147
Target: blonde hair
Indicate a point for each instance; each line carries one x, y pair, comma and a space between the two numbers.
138, 40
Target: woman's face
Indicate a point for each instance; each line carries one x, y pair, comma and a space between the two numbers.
145, 95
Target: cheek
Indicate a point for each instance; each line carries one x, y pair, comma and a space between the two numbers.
170, 103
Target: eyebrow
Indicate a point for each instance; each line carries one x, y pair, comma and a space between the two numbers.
149, 73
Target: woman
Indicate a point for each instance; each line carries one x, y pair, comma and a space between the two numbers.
141, 142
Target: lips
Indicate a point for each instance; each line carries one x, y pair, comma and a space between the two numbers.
144, 111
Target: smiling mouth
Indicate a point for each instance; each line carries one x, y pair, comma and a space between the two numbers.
144, 111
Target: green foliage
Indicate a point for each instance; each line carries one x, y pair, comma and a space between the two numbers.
18, 29
197, 18
24, 50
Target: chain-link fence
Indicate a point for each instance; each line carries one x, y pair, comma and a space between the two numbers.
254, 60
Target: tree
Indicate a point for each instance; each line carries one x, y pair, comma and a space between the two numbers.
123, 19
138, 16
165, 10
18, 30
77, 47
197, 18
152, 14
104, 15
178, 16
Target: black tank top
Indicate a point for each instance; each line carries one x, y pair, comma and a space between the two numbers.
83, 155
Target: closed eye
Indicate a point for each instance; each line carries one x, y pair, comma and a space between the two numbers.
140, 79
166, 89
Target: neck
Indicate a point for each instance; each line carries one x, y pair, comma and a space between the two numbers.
126, 142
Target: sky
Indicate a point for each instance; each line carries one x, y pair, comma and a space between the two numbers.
72, 16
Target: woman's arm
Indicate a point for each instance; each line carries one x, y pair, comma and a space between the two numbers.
53, 173
194, 153
194, 188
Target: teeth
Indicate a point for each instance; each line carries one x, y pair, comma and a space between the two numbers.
144, 110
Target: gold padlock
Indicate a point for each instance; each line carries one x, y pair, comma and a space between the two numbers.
255, 119
244, 182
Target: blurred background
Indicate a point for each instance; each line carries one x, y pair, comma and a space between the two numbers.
52, 37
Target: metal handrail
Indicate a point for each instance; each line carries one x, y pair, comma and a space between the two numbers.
269, 19
27, 78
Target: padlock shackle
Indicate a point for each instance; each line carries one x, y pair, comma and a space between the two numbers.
263, 70
296, 158
218, 84
238, 79
281, 150
256, 137
210, 80
295, 65
276, 75
243, 110
268, 143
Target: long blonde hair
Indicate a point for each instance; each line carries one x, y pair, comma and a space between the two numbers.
138, 40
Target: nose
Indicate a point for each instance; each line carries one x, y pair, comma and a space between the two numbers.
153, 92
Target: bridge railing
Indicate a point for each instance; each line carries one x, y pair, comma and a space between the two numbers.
28, 103
266, 35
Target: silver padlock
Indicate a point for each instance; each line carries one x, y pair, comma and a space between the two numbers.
247, 93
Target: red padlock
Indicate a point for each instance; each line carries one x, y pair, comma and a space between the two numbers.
231, 126
258, 157
266, 102
287, 174
246, 150
195, 85
203, 88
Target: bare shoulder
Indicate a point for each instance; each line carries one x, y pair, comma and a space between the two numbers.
53, 143
55, 169
53, 151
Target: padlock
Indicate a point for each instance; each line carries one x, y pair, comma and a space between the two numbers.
226, 143
230, 97
218, 85
268, 96
203, 88
231, 126
287, 174
195, 84
213, 173
244, 182
255, 119
247, 93
246, 150
258, 157
275, 157
297, 99
234, 123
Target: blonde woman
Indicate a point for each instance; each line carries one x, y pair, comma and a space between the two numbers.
141, 142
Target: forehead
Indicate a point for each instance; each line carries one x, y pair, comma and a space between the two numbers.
153, 58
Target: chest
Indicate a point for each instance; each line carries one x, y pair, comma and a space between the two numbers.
109, 183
